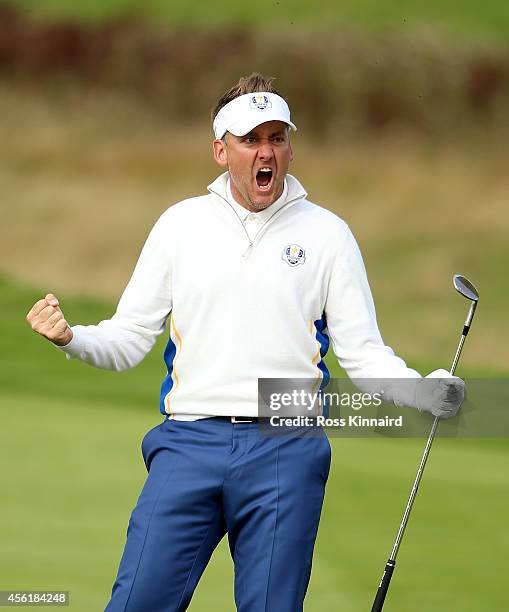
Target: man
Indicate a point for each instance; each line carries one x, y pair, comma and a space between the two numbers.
256, 281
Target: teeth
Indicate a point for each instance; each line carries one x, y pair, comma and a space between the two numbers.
265, 170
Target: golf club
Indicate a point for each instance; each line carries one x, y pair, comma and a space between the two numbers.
467, 290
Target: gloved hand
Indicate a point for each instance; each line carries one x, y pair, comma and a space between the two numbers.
440, 393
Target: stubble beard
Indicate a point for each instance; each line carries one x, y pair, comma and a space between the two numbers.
259, 206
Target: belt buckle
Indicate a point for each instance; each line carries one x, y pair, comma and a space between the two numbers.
235, 419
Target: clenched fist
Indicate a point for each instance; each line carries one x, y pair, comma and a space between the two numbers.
47, 319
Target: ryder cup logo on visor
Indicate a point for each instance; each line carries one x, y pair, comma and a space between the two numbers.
260, 101
294, 255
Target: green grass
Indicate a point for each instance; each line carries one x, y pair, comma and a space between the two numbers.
490, 18
72, 470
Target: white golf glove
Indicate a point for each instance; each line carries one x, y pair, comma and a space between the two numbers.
440, 393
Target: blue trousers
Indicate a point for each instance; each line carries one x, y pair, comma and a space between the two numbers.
210, 477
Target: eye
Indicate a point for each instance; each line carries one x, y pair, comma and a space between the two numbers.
249, 139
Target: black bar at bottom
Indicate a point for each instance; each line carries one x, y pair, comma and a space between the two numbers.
383, 586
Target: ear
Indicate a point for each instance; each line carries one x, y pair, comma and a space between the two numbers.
220, 152
291, 151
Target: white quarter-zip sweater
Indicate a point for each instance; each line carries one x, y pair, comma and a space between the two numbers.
250, 296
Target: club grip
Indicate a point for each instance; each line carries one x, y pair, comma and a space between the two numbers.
383, 586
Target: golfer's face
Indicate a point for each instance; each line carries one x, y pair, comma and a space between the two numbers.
257, 163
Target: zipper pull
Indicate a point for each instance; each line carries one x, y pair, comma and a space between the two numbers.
247, 252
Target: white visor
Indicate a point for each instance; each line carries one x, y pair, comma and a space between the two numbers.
244, 113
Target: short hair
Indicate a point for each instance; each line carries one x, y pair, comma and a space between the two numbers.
253, 83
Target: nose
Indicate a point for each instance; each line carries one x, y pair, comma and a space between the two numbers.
265, 151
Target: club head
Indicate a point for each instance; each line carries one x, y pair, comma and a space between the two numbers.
465, 287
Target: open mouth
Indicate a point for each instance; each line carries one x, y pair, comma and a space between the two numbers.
264, 179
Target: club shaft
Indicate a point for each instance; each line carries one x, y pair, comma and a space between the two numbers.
413, 492
427, 449
458, 353
422, 465
389, 568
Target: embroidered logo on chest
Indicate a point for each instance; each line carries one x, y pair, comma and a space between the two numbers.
294, 255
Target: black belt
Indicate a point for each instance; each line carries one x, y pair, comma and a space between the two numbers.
243, 419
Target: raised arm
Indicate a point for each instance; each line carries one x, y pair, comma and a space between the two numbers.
122, 341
